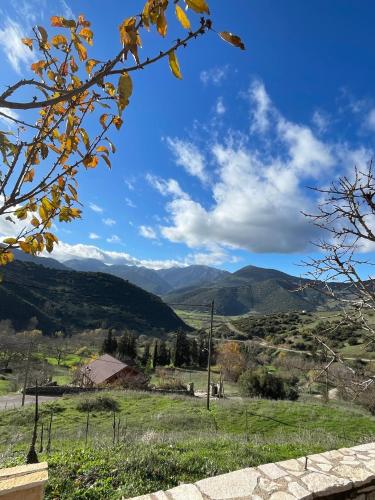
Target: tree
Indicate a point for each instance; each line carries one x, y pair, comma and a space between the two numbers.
155, 354
231, 360
109, 345
203, 352
346, 216
145, 359
42, 158
261, 383
181, 351
60, 345
194, 353
164, 357
127, 346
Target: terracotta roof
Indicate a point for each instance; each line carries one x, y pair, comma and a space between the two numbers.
103, 368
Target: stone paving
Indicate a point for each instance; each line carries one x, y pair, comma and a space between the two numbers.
344, 473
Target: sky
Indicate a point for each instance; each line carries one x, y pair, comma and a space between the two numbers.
215, 169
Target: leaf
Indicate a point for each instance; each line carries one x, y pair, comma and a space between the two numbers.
28, 42
38, 67
6, 257
182, 17
90, 64
34, 222
73, 191
162, 24
57, 21
43, 34
85, 138
10, 241
103, 119
111, 145
118, 122
73, 65
90, 161
124, 89
58, 40
102, 149
87, 35
232, 39
29, 176
173, 64
199, 6
107, 160
81, 50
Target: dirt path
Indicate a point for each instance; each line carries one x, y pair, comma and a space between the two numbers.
12, 401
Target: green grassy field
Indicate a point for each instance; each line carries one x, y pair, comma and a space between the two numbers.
164, 440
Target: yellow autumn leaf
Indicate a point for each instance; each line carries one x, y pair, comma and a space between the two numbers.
59, 40
10, 241
118, 122
103, 119
124, 89
232, 39
182, 17
161, 24
90, 161
90, 64
28, 42
107, 160
87, 35
29, 176
81, 50
102, 149
199, 6
43, 34
173, 64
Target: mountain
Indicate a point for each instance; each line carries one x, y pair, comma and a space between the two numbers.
159, 281
42, 261
148, 279
73, 301
251, 289
181, 277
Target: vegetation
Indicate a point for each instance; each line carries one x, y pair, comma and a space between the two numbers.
264, 384
73, 301
164, 440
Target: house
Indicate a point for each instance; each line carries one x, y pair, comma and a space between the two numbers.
106, 370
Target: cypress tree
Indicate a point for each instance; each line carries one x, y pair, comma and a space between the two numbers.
109, 345
163, 354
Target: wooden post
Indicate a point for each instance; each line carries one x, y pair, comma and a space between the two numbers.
32, 457
87, 426
209, 356
41, 438
114, 427
26, 374
49, 433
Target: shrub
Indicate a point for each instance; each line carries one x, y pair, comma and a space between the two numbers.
100, 403
267, 385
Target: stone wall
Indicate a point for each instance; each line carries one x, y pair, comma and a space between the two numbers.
25, 482
348, 473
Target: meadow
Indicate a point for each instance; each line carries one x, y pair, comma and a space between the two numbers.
161, 440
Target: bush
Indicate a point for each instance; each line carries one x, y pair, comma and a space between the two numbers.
100, 403
261, 383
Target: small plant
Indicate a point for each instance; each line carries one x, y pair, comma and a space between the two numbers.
100, 403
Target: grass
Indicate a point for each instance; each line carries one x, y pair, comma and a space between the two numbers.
168, 439
4, 387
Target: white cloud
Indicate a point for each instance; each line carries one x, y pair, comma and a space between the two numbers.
214, 75
16, 52
113, 239
96, 208
258, 192
108, 221
7, 121
94, 236
188, 156
129, 203
147, 232
261, 106
321, 120
66, 10
220, 107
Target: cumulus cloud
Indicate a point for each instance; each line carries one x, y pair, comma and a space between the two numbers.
113, 239
96, 208
15, 51
220, 107
214, 75
258, 192
188, 156
108, 221
94, 236
147, 232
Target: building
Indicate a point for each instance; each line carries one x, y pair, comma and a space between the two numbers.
106, 370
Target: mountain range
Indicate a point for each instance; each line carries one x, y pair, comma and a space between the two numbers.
250, 289
63, 299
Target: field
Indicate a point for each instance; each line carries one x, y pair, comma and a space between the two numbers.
164, 440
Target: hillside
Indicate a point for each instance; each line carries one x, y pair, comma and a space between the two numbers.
73, 301
180, 277
251, 289
148, 279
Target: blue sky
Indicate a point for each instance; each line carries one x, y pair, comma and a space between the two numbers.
214, 169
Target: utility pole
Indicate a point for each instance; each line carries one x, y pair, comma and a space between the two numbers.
209, 356
26, 373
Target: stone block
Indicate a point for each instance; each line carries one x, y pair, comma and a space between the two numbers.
364, 447
236, 484
321, 484
299, 491
272, 471
184, 492
357, 475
